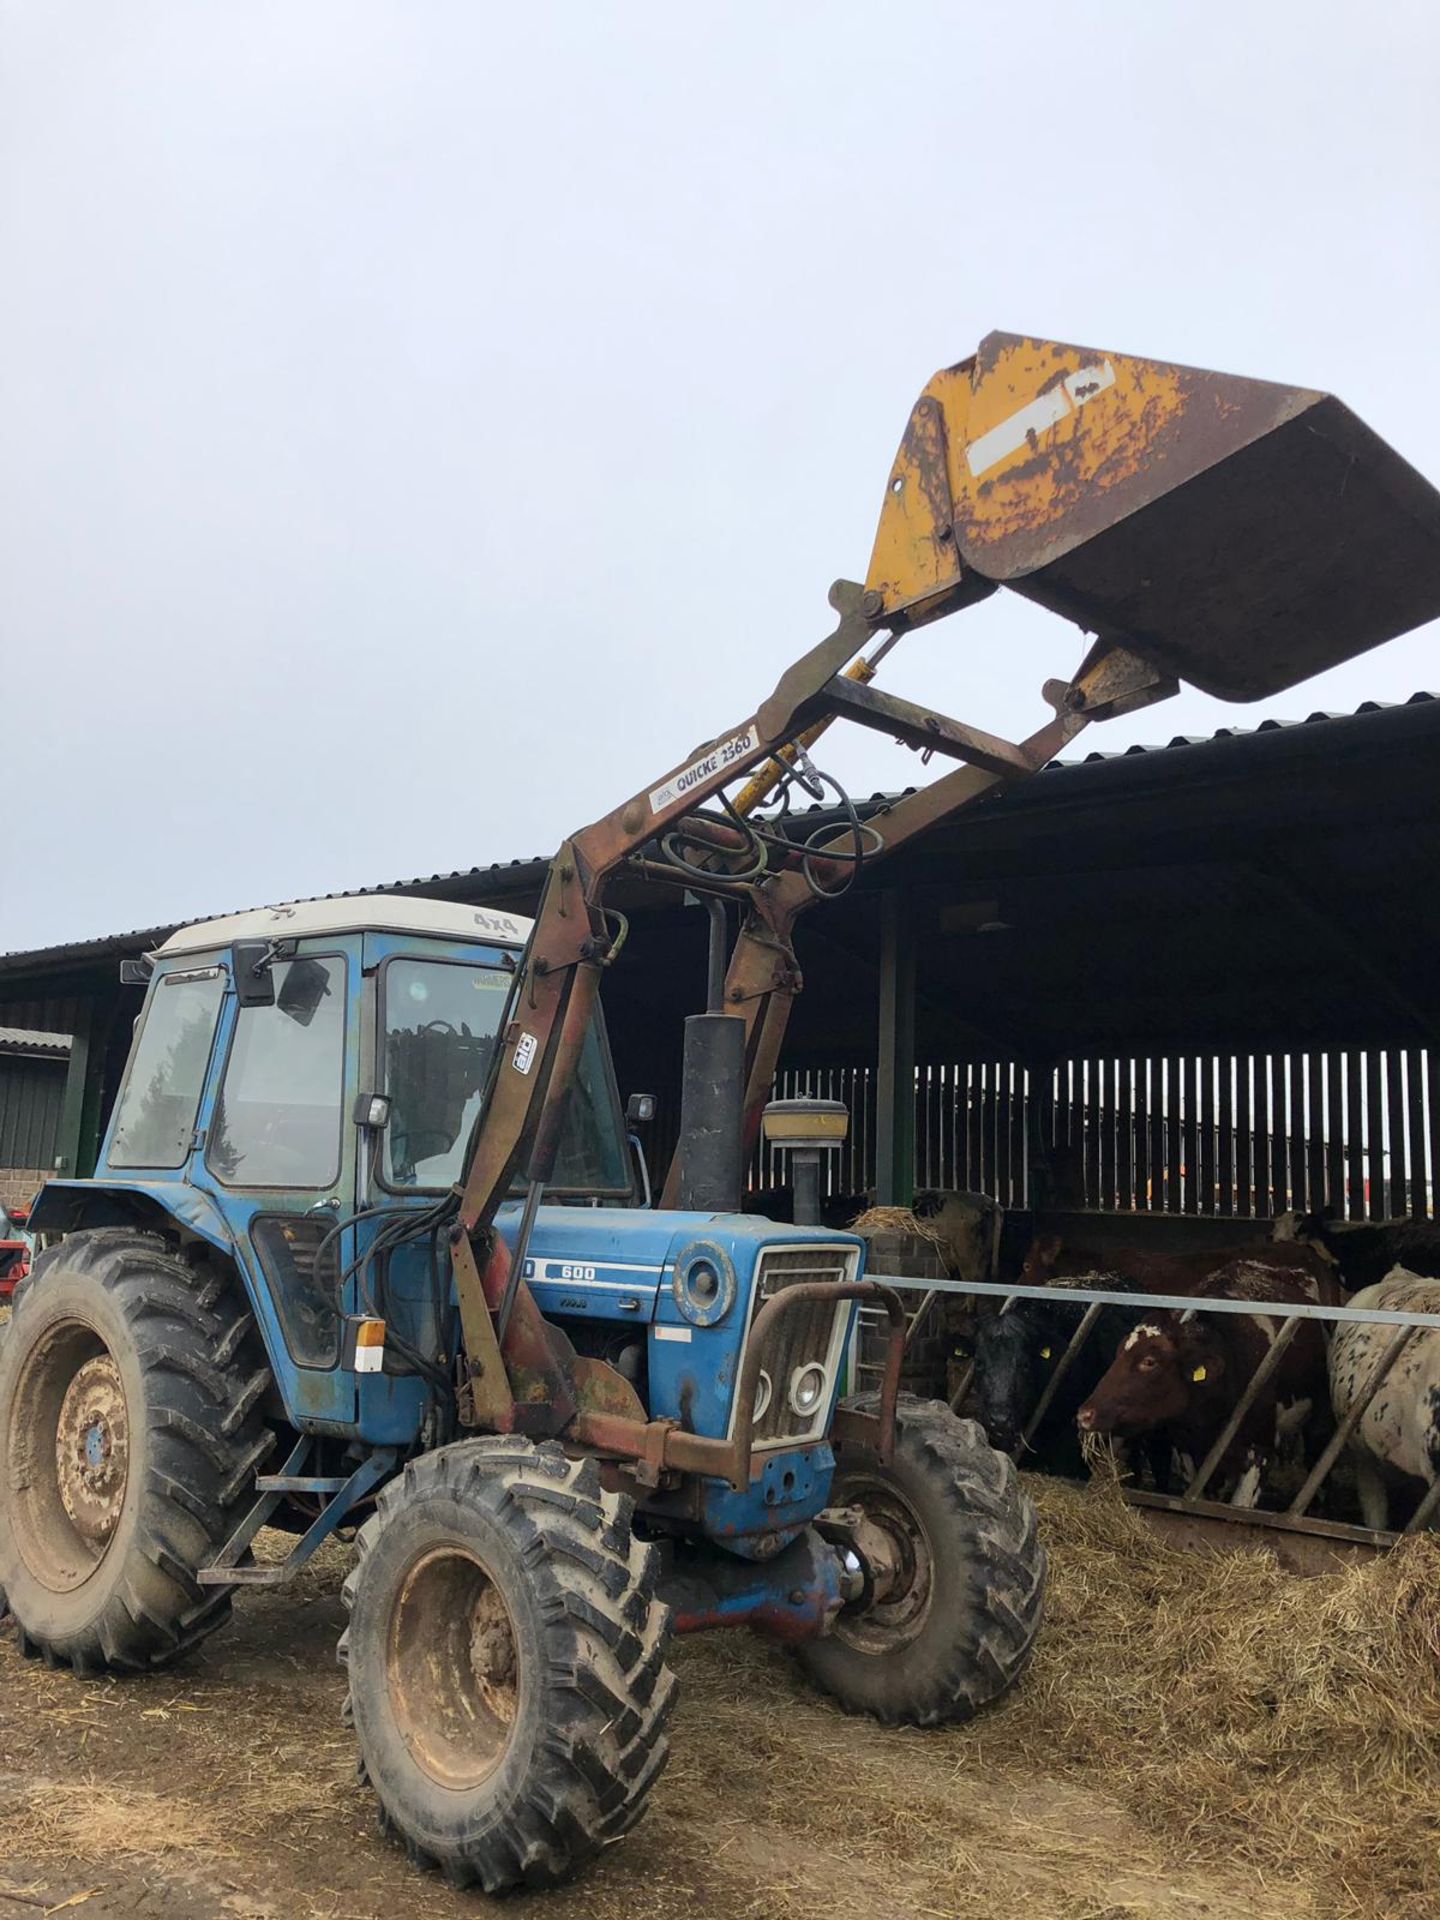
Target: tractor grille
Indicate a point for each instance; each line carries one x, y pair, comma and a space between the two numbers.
807, 1334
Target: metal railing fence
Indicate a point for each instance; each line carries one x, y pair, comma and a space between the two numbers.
1296, 1516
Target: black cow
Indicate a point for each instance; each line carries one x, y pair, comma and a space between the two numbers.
1366, 1251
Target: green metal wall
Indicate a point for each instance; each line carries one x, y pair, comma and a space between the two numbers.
32, 1099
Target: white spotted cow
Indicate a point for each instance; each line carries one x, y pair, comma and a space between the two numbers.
1398, 1437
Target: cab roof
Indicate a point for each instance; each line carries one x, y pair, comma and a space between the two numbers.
369, 913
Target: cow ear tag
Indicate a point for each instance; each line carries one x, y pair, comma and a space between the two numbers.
1199, 1373
1044, 1353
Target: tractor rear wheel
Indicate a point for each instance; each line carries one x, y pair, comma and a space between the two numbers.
130, 1430
506, 1659
955, 1623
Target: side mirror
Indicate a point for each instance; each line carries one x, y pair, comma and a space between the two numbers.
250, 962
135, 973
640, 1109
306, 984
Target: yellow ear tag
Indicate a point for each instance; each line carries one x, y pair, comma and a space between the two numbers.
1199, 1373
1044, 1353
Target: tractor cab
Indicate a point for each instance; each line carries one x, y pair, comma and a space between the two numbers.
301, 1076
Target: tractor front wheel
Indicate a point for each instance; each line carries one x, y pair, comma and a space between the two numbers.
951, 1622
506, 1659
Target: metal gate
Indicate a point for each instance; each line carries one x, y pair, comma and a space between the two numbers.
1296, 1516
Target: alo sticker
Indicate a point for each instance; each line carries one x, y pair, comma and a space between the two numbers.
725, 753
525, 1053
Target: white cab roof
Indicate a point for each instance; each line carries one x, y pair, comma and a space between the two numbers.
377, 913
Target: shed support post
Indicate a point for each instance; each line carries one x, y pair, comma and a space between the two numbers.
895, 1075
70, 1140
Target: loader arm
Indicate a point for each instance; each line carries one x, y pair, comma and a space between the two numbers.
1232, 533
763, 978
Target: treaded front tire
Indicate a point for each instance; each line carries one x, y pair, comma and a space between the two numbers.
506, 1659
958, 1631
131, 1382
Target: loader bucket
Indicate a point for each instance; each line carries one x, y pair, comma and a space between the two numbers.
1242, 535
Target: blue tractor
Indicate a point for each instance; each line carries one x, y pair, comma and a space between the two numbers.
364, 1246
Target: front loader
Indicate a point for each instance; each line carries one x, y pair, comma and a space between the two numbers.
362, 1246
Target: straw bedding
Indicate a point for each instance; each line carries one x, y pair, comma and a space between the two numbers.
1200, 1737
1282, 1733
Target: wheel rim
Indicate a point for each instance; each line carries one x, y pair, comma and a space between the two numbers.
453, 1668
68, 1454
880, 1626
92, 1449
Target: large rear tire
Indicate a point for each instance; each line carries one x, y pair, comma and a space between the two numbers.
506, 1658
130, 1429
957, 1627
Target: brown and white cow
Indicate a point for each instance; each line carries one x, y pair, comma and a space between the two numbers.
1153, 1271
1399, 1433
1181, 1375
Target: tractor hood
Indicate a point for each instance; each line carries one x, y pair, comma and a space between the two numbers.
610, 1263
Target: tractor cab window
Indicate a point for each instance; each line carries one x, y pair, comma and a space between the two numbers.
155, 1115
440, 1024
279, 1116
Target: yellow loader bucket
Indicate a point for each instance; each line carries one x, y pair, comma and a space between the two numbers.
1240, 534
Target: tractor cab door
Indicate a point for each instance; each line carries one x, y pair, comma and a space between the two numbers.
278, 1153
436, 1008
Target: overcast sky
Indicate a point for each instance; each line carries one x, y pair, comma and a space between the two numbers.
421, 423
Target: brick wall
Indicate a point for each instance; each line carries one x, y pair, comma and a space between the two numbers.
18, 1185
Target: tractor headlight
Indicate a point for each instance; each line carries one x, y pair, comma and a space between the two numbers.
809, 1386
704, 1284
764, 1392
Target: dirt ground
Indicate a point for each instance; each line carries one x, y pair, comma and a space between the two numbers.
226, 1788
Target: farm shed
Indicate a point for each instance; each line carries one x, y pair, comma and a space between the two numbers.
33, 1069
1174, 984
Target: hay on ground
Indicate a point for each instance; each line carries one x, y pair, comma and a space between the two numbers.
1278, 1732
1199, 1734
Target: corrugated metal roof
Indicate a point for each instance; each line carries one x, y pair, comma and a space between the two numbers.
22, 1040
1263, 726
526, 870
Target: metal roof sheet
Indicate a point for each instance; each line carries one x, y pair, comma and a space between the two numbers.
54, 1046
525, 870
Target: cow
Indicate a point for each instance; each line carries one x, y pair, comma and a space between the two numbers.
1399, 1433
1017, 1351
1153, 1271
967, 1230
1365, 1251
1180, 1376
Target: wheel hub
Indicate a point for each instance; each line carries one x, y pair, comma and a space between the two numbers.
893, 1548
92, 1449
